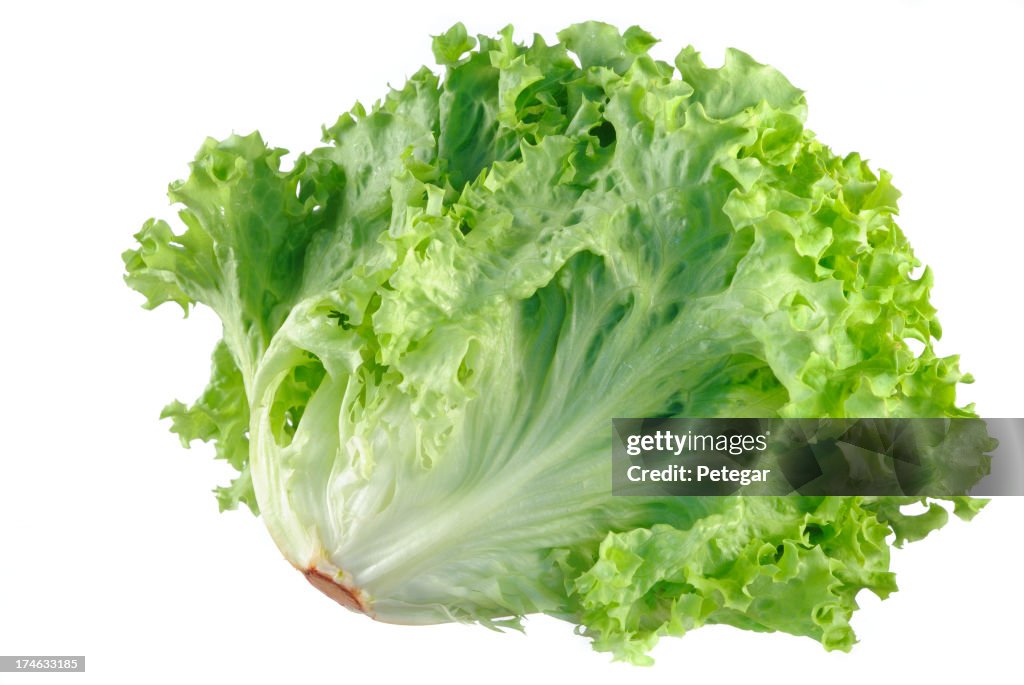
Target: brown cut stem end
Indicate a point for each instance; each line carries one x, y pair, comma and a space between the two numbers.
348, 597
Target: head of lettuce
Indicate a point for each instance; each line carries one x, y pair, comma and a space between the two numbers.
430, 321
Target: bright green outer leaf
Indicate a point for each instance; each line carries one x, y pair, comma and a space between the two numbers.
221, 414
430, 322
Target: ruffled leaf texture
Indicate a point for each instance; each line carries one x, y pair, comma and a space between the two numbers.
430, 320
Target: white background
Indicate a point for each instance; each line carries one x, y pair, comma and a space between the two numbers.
110, 542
